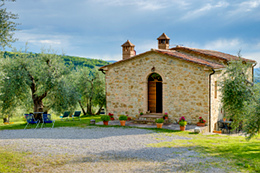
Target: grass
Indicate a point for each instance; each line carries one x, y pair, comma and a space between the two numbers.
11, 161
241, 154
19, 123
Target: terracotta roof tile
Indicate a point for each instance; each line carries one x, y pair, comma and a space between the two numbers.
128, 43
189, 58
175, 54
212, 53
163, 36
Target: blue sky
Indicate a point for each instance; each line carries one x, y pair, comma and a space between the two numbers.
98, 28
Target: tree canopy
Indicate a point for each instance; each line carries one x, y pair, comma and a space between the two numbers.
7, 26
241, 98
37, 82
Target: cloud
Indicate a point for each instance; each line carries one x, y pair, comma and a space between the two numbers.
35, 38
224, 44
205, 9
245, 8
151, 5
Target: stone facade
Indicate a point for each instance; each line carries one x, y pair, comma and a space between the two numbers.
185, 87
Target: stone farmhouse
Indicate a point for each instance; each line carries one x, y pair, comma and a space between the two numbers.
181, 81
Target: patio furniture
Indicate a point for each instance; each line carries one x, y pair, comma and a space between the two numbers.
46, 118
76, 115
65, 115
224, 126
31, 120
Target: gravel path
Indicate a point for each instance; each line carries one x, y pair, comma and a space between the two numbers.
96, 149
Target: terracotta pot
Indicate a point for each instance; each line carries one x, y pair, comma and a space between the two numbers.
105, 123
182, 128
159, 125
200, 124
165, 118
112, 119
224, 119
122, 123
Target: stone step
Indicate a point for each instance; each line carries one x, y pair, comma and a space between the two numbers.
148, 118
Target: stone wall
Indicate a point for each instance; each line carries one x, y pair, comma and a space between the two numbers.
185, 87
217, 111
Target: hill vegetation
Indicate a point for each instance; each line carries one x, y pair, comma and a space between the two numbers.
69, 60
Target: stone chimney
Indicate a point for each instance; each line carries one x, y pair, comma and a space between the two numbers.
128, 50
163, 41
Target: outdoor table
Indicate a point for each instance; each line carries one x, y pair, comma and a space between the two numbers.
224, 125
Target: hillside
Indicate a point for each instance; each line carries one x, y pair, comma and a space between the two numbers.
76, 61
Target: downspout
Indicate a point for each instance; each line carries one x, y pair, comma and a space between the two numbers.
210, 98
253, 66
105, 87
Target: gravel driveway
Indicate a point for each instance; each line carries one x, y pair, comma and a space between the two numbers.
96, 149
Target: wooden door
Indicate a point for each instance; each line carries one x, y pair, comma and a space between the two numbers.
152, 96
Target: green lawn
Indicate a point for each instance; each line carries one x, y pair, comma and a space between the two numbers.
19, 123
242, 154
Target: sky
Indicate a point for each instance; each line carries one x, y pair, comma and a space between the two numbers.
98, 28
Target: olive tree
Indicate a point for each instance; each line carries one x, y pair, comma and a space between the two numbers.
7, 26
91, 87
35, 83
240, 98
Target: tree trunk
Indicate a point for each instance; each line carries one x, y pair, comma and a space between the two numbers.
89, 111
38, 107
82, 108
99, 110
6, 119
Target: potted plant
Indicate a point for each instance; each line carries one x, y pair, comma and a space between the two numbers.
141, 113
182, 123
128, 118
111, 116
105, 119
159, 123
165, 116
122, 119
201, 122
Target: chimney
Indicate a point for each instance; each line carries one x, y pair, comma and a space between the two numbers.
163, 41
128, 50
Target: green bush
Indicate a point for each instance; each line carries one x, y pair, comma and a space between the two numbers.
123, 117
160, 120
105, 118
183, 123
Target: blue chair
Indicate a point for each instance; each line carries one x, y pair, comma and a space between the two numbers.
76, 115
65, 115
46, 118
31, 120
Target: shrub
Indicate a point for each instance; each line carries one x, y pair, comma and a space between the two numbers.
105, 118
159, 120
123, 117
201, 120
182, 121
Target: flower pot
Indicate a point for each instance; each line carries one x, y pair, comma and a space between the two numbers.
200, 124
105, 123
122, 123
159, 125
165, 118
224, 119
182, 128
112, 119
